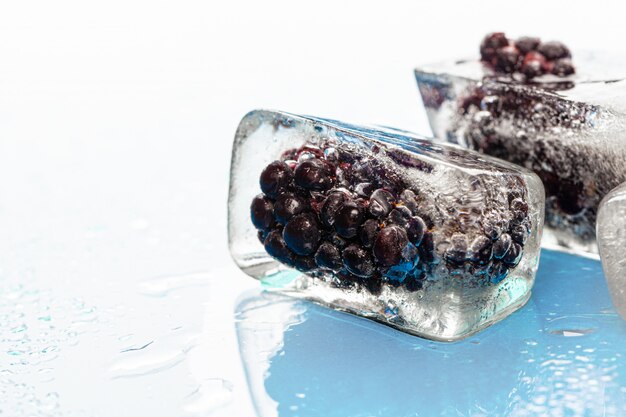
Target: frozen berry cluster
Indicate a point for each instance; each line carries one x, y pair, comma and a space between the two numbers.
515, 123
527, 56
332, 212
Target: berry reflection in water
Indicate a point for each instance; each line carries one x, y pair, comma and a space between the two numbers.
434, 240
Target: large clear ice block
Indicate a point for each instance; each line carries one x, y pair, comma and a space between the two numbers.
429, 238
569, 130
612, 244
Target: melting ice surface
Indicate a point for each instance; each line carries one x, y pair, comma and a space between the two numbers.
561, 355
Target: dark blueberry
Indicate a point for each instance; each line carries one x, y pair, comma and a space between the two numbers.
304, 263
514, 255
490, 44
519, 209
409, 199
507, 59
499, 272
368, 232
381, 203
526, 44
481, 250
314, 174
399, 216
563, 67
331, 205
373, 284
415, 229
302, 234
328, 256
533, 65
519, 233
457, 251
389, 245
415, 284
358, 261
427, 247
501, 246
338, 241
348, 219
554, 50
275, 178
492, 225
261, 212
261, 235
287, 206
364, 189
277, 248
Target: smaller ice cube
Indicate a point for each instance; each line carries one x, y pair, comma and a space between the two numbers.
612, 244
432, 239
569, 130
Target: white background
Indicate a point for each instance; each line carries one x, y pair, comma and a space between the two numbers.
116, 121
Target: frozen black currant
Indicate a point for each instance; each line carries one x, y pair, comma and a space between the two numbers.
553, 50
415, 229
514, 255
501, 246
358, 261
457, 251
381, 203
526, 44
261, 212
563, 67
519, 233
348, 220
287, 206
314, 174
302, 234
328, 256
331, 206
490, 44
389, 245
277, 248
304, 263
481, 250
368, 232
275, 178
507, 59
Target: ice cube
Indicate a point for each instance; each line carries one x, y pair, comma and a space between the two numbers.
612, 244
569, 130
432, 239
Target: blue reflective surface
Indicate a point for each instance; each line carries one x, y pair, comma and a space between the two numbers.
560, 355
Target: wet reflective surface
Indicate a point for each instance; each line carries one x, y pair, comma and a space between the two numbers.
562, 354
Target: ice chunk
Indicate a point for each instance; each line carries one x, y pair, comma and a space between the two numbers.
612, 244
570, 131
430, 238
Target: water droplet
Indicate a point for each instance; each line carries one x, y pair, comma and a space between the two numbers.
210, 395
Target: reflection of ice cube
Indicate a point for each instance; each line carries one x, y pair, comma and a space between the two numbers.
481, 220
559, 356
570, 132
612, 244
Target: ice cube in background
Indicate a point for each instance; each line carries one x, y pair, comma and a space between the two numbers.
429, 238
570, 131
612, 244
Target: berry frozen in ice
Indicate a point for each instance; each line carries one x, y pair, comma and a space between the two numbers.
328, 256
275, 178
314, 174
261, 212
389, 245
288, 205
302, 234
348, 219
358, 261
